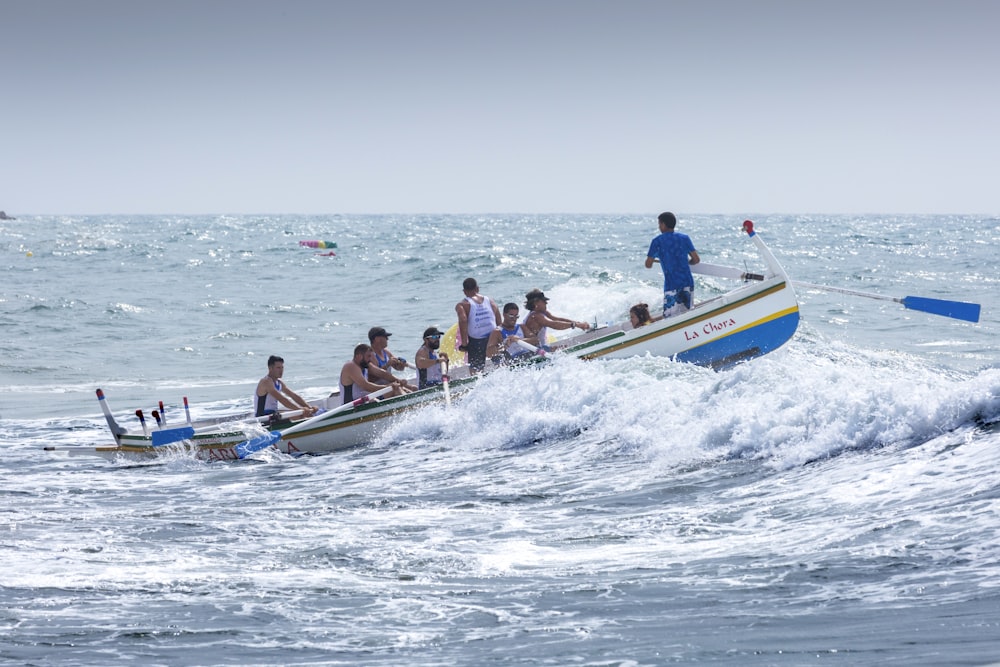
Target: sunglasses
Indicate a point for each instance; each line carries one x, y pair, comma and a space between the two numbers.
434, 337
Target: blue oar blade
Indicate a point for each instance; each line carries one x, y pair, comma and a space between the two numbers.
245, 449
166, 436
960, 310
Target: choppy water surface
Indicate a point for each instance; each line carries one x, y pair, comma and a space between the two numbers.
834, 502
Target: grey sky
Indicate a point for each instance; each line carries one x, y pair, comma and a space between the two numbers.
561, 106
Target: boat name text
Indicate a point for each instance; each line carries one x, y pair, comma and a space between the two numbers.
710, 328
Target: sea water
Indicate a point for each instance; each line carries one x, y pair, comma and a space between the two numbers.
834, 502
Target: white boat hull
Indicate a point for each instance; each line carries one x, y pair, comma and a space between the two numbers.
742, 324
746, 322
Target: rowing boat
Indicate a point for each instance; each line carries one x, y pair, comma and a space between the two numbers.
756, 317
234, 437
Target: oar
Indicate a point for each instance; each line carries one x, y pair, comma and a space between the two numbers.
444, 380
164, 436
168, 435
447, 389
531, 348
280, 416
245, 449
959, 310
706, 269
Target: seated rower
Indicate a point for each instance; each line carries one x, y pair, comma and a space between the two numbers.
354, 382
503, 348
428, 361
539, 319
385, 361
271, 391
639, 315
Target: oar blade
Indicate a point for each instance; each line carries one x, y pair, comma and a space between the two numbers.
245, 449
960, 310
168, 435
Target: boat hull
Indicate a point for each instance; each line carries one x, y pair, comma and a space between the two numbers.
344, 430
755, 318
719, 333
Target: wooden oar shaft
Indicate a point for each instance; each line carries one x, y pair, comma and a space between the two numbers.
841, 290
720, 271
959, 310
447, 387
245, 449
531, 348
282, 415
301, 426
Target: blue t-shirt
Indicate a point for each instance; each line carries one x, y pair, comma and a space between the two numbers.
673, 250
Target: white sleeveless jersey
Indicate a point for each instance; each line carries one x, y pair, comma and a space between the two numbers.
482, 321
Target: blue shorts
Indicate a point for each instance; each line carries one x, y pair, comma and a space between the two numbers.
677, 301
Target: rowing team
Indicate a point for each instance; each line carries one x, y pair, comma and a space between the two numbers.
483, 332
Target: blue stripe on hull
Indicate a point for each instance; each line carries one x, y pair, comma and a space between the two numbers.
759, 340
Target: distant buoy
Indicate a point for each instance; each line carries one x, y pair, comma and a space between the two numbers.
318, 244
29, 254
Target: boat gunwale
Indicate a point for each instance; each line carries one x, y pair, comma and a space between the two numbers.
671, 325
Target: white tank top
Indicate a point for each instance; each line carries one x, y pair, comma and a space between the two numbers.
353, 392
270, 403
482, 321
430, 375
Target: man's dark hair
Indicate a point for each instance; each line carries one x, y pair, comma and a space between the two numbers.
668, 219
274, 359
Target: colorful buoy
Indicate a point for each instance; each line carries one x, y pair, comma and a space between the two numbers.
318, 244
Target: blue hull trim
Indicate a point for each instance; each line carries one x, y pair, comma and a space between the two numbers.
744, 345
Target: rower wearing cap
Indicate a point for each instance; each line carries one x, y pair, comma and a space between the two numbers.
428, 361
539, 319
378, 338
385, 360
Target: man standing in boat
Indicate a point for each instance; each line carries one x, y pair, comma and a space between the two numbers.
271, 391
478, 316
675, 252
